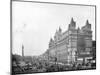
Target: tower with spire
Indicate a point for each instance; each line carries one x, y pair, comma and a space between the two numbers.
87, 26
22, 50
72, 24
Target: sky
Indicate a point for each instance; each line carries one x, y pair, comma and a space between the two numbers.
33, 24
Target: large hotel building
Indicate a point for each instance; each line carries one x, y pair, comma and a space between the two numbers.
73, 45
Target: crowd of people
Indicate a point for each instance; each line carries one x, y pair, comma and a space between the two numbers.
45, 66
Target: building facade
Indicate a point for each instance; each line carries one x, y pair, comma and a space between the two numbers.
72, 45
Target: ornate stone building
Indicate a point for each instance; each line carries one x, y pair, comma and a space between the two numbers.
71, 45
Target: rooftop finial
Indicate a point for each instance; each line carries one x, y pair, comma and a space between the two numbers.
60, 29
72, 20
87, 22
72, 24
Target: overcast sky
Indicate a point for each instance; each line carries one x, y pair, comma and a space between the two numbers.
35, 23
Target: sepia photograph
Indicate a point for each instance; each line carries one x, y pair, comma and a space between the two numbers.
52, 37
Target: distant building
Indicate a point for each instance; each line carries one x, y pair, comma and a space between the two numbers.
71, 45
